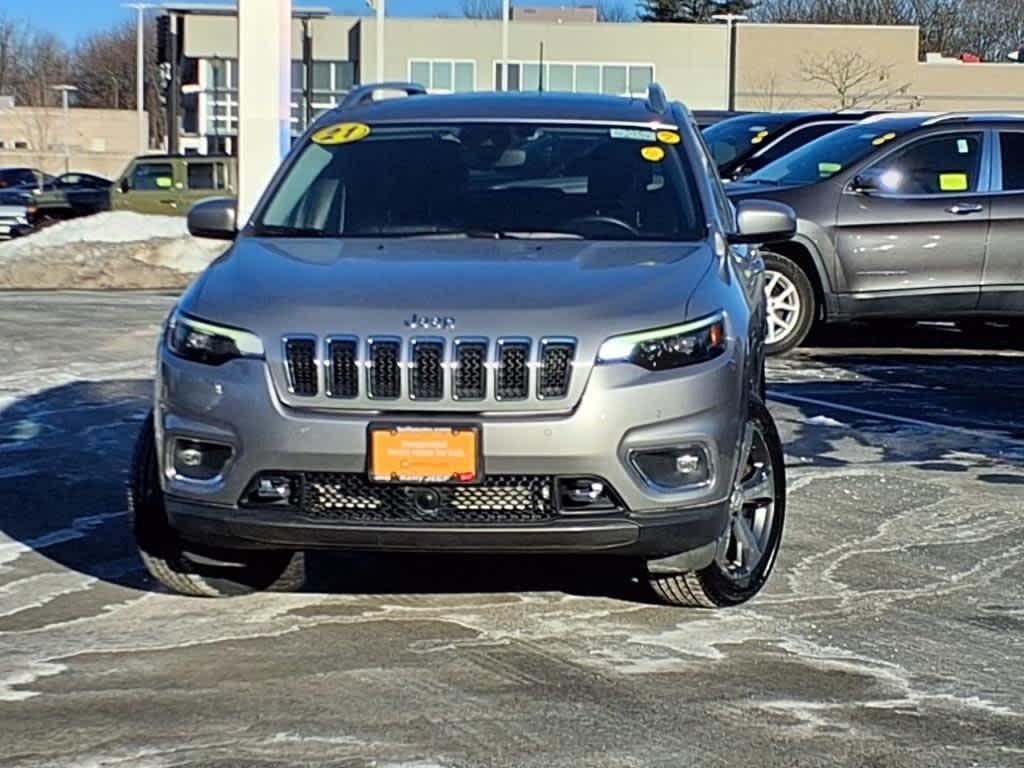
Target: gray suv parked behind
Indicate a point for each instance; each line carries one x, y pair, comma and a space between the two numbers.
901, 217
490, 323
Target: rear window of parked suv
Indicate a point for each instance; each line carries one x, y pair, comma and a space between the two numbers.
606, 183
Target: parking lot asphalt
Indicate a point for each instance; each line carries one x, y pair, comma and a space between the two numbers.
892, 633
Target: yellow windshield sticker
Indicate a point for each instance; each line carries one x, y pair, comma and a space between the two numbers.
654, 154
953, 182
759, 137
668, 137
880, 140
341, 133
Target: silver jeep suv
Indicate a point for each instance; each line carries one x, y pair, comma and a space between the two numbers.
488, 323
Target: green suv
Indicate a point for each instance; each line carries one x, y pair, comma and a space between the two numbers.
170, 184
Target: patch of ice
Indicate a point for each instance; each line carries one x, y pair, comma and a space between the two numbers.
825, 421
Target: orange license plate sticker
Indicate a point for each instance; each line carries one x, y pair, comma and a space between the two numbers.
424, 455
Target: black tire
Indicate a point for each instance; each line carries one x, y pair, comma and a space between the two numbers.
167, 560
807, 309
717, 586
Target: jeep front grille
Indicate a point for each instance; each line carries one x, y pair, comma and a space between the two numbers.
430, 369
343, 361
302, 373
513, 370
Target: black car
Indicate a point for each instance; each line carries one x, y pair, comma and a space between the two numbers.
743, 144
705, 118
910, 217
73, 194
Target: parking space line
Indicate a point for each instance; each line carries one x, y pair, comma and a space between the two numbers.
981, 434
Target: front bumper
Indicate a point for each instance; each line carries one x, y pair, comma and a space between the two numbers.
623, 408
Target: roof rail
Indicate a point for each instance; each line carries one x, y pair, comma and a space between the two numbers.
656, 100
963, 117
364, 93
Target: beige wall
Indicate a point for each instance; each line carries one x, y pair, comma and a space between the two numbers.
208, 36
772, 65
689, 60
100, 140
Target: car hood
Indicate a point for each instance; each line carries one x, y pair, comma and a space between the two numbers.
741, 190
490, 287
585, 291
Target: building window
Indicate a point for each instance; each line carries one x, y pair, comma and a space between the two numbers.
443, 75
614, 79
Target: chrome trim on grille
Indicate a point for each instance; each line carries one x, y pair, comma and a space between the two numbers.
499, 365
370, 365
328, 365
486, 364
285, 358
411, 368
555, 341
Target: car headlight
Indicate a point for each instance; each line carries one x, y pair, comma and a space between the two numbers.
665, 348
203, 342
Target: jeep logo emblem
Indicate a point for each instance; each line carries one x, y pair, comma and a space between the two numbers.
431, 323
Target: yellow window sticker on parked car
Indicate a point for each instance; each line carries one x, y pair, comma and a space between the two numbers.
653, 154
880, 140
954, 182
759, 137
164, 182
668, 137
341, 133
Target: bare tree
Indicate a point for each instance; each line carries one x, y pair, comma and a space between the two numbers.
615, 11
103, 68
853, 80
763, 95
481, 9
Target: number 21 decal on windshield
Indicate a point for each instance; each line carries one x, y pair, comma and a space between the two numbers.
341, 133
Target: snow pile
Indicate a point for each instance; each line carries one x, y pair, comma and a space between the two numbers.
118, 249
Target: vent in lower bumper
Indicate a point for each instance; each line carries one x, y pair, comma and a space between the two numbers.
350, 497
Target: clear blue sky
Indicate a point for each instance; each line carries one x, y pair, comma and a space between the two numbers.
72, 18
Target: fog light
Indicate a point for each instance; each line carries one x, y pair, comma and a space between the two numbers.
584, 494
674, 468
273, 488
199, 461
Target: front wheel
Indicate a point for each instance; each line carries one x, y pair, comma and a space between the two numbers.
196, 571
791, 304
748, 548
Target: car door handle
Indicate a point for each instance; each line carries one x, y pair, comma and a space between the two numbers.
962, 209
172, 203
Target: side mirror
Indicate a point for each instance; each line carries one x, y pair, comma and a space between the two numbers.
763, 221
214, 218
865, 184
126, 184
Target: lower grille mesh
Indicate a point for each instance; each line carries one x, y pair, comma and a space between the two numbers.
350, 497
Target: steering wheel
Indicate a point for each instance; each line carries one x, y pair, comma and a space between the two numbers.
603, 225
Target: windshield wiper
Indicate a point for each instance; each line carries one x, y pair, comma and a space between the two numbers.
494, 234
281, 230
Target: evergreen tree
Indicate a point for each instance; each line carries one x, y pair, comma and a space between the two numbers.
691, 11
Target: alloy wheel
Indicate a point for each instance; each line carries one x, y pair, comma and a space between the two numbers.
752, 509
784, 306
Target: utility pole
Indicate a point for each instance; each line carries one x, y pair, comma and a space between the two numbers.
506, 12
140, 72
731, 20
64, 91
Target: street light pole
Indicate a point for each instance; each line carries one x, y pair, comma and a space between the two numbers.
379, 6
731, 20
64, 91
140, 71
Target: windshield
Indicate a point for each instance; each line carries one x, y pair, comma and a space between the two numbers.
488, 180
733, 140
824, 157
